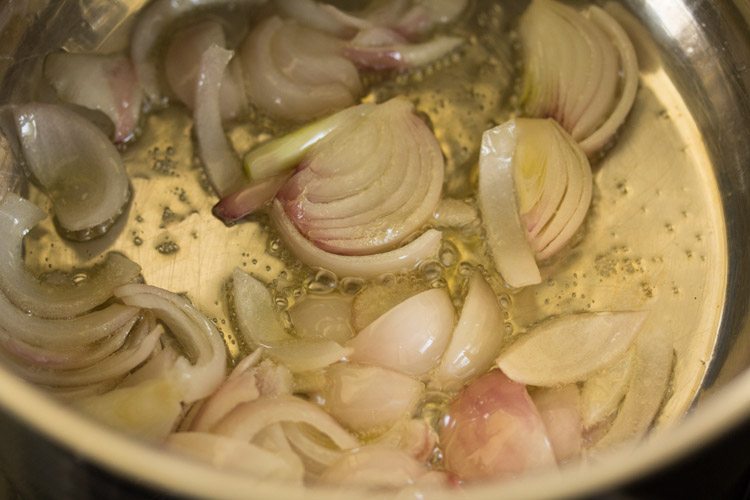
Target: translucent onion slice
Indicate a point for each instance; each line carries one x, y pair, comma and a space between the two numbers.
316, 16
148, 410
411, 337
204, 369
76, 166
103, 82
228, 453
249, 419
315, 454
149, 28
365, 189
182, 68
532, 178
580, 69
602, 393
651, 373
414, 436
17, 218
59, 334
297, 73
476, 340
401, 56
401, 259
570, 349
374, 467
560, 409
222, 165
366, 398
259, 325
493, 430
323, 317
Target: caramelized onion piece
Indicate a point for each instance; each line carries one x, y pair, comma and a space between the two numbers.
569, 349
203, 370
227, 453
17, 218
103, 82
533, 177
297, 73
222, 166
366, 398
411, 337
580, 69
477, 338
365, 189
401, 259
493, 430
75, 165
259, 325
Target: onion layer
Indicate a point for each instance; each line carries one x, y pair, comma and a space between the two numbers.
569, 349
602, 393
76, 166
411, 337
374, 467
574, 64
296, 73
560, 409
17, 217
477, 338
323, 317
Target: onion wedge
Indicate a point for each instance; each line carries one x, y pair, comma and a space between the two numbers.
401, 56
411, 337
580, 69
535, 188
366, 398
17, 218
296, 73
103, 82
260, 327
75, 165
603, 392
401, 259
560, 409
570, 348
476, 340
203, 372
222, 166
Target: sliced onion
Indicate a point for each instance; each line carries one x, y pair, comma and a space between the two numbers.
149, 410
204, 369
137, 349
574, 64
316, 16
652, 370
59, 334
454, 213
570, 349
411, 337
285, 153
103, 82
323, 317
222, 165
549, 193
17, 218
402, 56
560, 409
151, 25
602, 393
259, 325
228, 453
401, 259
249, 419
493, 430
365, 189
369, 398
414, 436
374, 467
182, 67
76, 166
248, 199
477, 338
297, 73
316, 455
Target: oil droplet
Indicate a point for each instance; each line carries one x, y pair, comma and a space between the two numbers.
431, 270
167, 248
351, 286
505, 301
323, 282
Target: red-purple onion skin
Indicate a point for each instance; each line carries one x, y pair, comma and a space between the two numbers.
248, 199
494, 431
